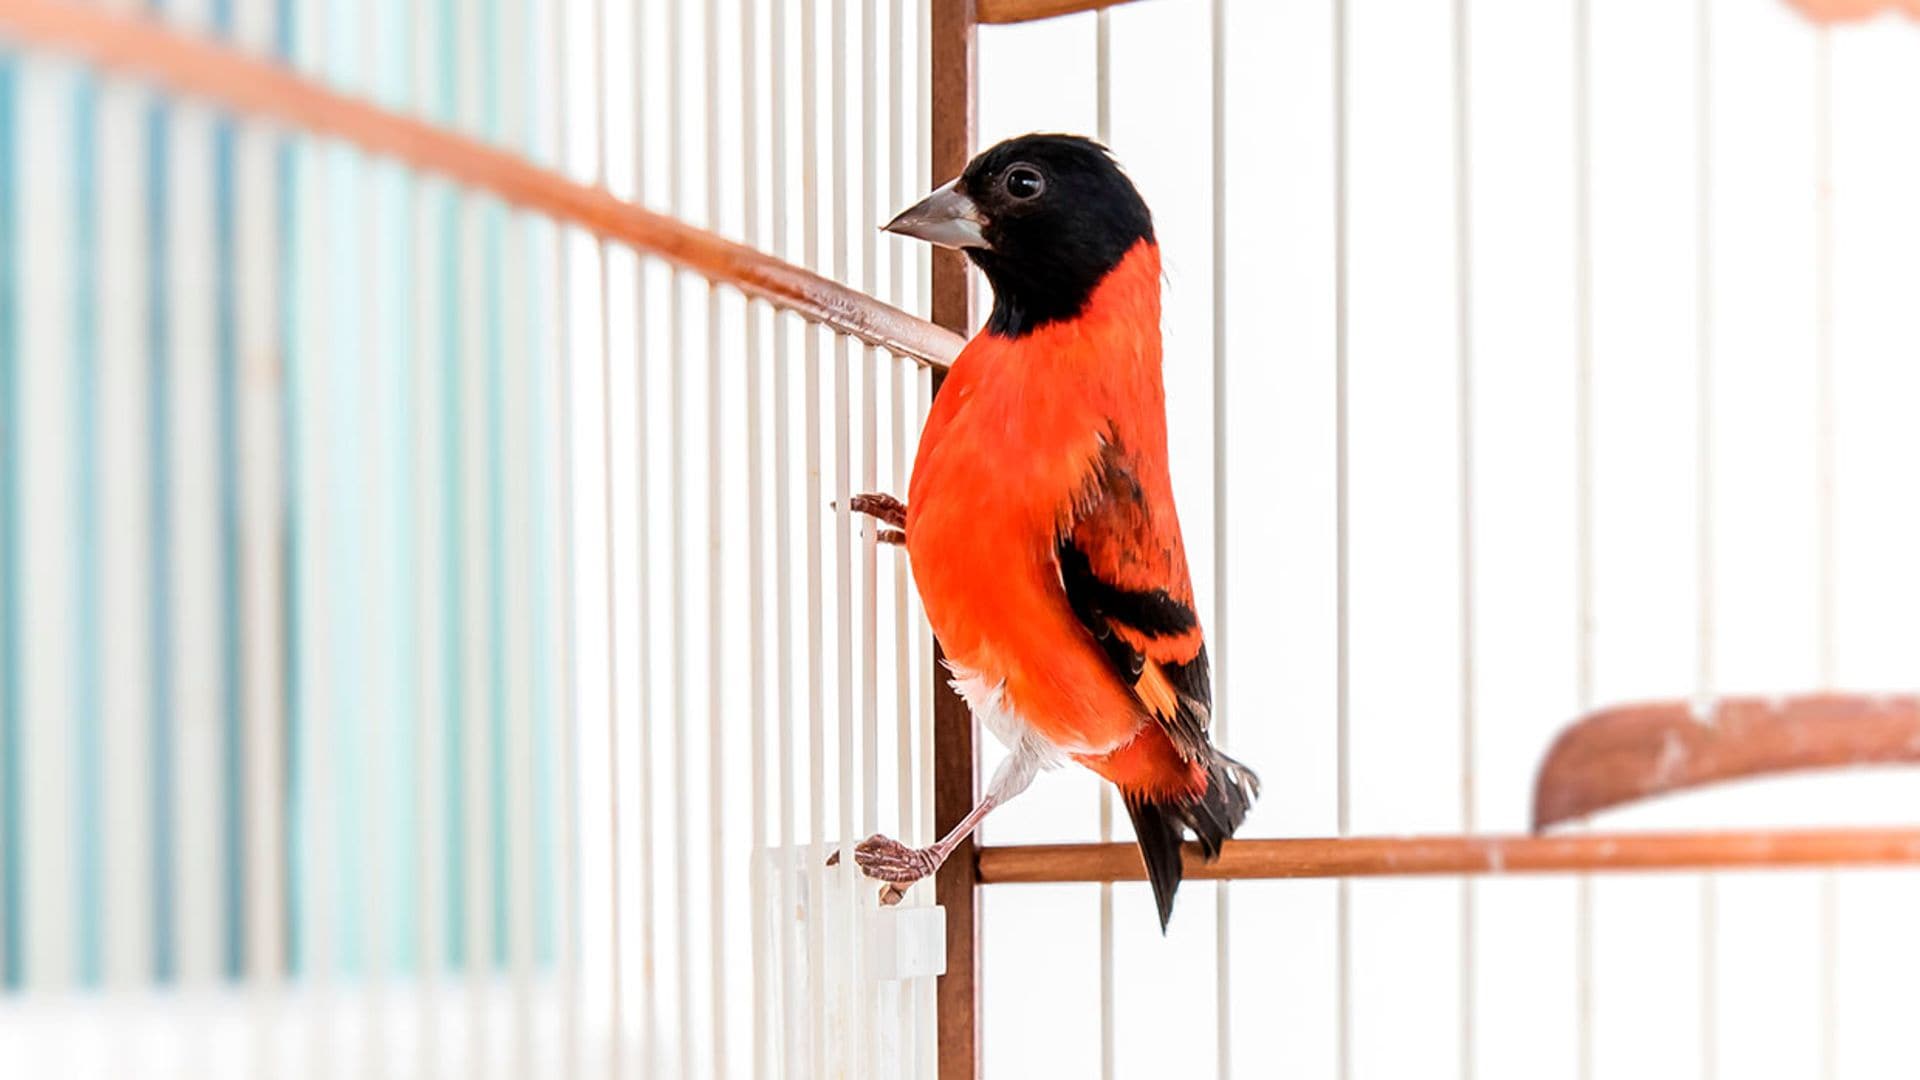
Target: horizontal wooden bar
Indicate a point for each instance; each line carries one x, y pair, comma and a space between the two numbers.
138, 46
1845, 11
1628, 753
1019, 11
1414, 856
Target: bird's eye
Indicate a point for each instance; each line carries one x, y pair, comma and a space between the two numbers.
1024, 182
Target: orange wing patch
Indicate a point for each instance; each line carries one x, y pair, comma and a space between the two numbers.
1156, 692
1125, 574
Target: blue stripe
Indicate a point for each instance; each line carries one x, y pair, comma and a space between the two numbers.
399, 290
227, 359
12, 835
346, 566
286, 166
545, 614
286, 182
541, 526
496, 505
453, 599
160, 564
86, 399
496, 582
227, 347
452, 508
400, 295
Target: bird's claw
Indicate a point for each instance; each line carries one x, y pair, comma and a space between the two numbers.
881, 507
889, 861
885, 859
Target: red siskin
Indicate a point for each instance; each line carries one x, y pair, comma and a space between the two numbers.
1040, 520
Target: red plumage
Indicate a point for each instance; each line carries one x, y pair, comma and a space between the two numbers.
1041, 521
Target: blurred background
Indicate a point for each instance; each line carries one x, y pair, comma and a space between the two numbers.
429, 644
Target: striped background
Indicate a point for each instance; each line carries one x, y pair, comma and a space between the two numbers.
279, 547
427, 640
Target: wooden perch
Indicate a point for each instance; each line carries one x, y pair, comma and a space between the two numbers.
1415, 856
1632, 752
197, 67
1838, 11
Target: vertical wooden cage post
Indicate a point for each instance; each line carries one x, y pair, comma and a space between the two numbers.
954, 68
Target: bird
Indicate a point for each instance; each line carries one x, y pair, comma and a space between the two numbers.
1040, 522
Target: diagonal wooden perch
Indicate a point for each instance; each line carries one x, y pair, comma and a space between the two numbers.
1631, 752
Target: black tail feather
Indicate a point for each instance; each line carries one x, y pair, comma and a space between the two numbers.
1212, 818
1159, 838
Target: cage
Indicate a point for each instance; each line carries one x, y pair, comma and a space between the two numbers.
434, 639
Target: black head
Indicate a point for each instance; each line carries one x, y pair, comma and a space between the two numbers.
1045, 217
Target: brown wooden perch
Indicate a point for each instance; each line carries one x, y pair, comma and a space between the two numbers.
1631, 752
1838, 11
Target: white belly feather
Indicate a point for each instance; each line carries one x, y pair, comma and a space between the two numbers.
989, 705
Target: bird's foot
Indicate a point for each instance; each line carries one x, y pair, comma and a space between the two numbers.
885, 509
888, 860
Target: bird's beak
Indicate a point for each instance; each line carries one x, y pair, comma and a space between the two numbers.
946, 217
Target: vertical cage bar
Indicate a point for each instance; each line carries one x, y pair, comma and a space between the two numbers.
377, 643
816, 701
646, 814
899, 101
791, 1044
258, 282
869, 686
762, 971
847, 958
1825, 463
1103, 129
1705, 681
12, 827
569, 910
195, 578
928, 1002
1223, 896
677, 545
1583, 489
816, 632
47, 317
930, 1027
869, 358
385, 470
311, 887
953, 75
260, 498
716, 548
561, 697
427, 202
475, 623
516, 396
1343, 697
126, 523
902, 376
1463, 468
616, 1029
